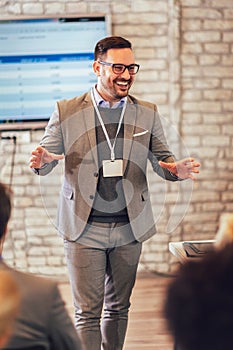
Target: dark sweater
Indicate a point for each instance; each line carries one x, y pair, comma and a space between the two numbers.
109, 204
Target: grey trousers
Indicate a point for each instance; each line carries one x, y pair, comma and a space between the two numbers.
102, 276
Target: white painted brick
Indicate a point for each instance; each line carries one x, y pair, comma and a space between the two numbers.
121, 7
217, 94
202, 107
202, 36
218, 24
195, 48
209, 59
217, 118
201, 12
192, 95
99, 7
207, 83
14, 8
224, 3
227, 129
228, 106
32, 8
191, 3
220, 141
189, 60
76, 7
228, 13
195, 24
217, 48
227, 60
149, 6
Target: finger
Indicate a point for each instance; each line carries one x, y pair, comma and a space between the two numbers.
196, 171
57, 156
195, 167
164, 165
36, 153
186, 161
33, 164
192, 177
33, 159
39, 149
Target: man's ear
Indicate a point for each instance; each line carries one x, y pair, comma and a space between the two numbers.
96, 68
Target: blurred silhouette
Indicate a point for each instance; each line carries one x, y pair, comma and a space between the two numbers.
9, 301
43, 321
199, 303
225, 231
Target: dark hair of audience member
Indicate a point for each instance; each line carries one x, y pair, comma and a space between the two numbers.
199, 303
5, 207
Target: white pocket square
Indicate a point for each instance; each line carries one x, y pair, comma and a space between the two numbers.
140, 133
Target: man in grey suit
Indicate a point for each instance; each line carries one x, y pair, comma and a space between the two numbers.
104, 214
42, 322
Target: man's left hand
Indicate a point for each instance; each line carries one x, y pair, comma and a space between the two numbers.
184, 168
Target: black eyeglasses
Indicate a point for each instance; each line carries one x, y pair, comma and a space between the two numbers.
119, 68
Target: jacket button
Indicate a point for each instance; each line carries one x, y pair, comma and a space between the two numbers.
91, 196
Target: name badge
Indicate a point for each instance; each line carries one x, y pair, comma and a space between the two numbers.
112, 168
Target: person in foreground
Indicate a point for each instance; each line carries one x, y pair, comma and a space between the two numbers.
107, 137
224, 234
199, 304
42, 321
9, 301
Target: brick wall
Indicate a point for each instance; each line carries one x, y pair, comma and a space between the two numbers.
185, 49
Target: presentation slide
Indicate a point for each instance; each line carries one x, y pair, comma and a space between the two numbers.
45, 60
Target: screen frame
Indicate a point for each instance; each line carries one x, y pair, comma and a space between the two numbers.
15, 125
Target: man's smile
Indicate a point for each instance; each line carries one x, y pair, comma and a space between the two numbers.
122, 83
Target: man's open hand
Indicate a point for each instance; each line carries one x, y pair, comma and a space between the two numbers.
40, 156
184, 168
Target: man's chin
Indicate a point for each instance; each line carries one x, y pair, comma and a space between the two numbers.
121, 94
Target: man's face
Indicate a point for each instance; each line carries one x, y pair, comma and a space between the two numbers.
112, 87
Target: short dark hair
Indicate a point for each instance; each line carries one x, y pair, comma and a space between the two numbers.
5, 207
111, 42
199, 303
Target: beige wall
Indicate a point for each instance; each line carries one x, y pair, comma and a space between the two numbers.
185, 49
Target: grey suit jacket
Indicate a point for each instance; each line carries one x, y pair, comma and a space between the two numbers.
43, 319
71, 130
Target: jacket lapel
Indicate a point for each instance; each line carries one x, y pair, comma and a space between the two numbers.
129, 127
89, 120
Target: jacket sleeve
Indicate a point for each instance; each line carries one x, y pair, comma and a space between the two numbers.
159, 150
52, 141
61, 332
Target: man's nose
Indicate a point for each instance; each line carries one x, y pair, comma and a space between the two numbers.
126, 74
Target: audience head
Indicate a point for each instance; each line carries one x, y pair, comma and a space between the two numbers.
225, 231
199, 303
9, 305
5, 208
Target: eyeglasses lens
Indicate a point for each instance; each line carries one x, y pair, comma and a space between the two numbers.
120, 68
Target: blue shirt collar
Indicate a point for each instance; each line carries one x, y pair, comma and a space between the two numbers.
100, 102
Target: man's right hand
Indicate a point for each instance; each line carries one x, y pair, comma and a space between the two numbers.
40, 156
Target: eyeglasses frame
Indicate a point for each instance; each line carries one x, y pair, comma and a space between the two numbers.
125, 66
